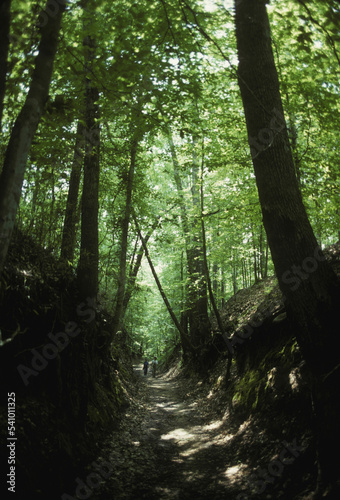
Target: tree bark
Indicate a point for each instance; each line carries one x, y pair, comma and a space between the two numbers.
26, 124
198, 292
87, 273
85, 369
196, 296
309, 285
124, 240
71, 214
206, 266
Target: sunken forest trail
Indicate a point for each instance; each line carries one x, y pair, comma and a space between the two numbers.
170, 445
168, 448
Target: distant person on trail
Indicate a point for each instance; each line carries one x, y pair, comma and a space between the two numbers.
145, 366
154, 366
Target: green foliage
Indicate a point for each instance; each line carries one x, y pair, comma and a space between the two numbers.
158, 65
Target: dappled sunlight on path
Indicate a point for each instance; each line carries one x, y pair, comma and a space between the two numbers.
185, 452
169, 447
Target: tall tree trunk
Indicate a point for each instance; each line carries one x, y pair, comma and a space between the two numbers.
215, 281
87, 273
266, 260
234, 272
71, 215
244, 277
222, 288
50, 232
207, 275
261, 266
205, 259
124, 239
198, 292
84, 371
184, 316
196, 296
309, 285
5, 21
35, 189
26, 124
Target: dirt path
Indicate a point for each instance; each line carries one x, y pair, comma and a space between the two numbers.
167, 449
171, 445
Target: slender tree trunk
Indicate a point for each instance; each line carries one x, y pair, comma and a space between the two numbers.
205, 259
196, 293
124, 240
254, 259
222, 288
207, 274
71, 216
234, 271
50, 232
309, 285
35, 190
26, 124
133, 256
215, 280
184, 315
5, 21
266, 261
261, 266
198, 318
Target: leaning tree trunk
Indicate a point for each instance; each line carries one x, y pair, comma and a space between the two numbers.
309, 285
26, 124
185, 341
135, 268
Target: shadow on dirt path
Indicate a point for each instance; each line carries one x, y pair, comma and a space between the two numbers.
167, 449
169, 446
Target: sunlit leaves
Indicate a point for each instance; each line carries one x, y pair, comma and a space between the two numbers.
170, 63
